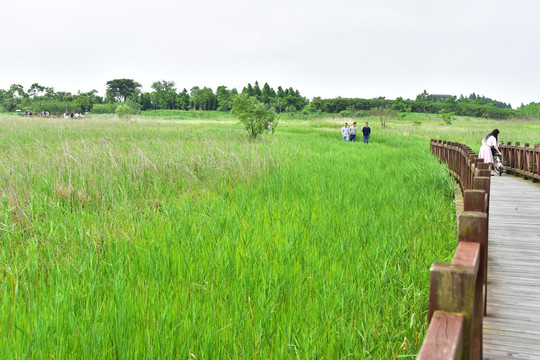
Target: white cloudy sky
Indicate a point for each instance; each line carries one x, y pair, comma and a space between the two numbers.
323, 48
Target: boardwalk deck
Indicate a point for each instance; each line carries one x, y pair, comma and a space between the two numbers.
512, 325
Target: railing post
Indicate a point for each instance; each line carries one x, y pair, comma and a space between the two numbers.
510, 165
483, 170
526, 161
452, 289
473, 227
470, 170
482, 183
474, 200
517, 159
536, 170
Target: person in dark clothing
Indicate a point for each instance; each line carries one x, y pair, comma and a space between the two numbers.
366, 131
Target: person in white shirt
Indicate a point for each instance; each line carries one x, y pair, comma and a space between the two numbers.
345, 132
490, 147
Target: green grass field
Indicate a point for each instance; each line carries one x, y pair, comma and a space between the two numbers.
178, 238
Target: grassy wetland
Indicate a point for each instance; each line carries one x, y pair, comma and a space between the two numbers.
179, 238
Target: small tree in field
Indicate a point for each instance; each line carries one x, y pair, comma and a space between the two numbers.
447, 117
383, 113
255, 116
123, 111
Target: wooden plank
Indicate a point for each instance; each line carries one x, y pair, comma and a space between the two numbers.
506, 280
511, 289
518, 341
496, 352
516, 344
515, 326
508, 355
519, 276
527, 255
512, 307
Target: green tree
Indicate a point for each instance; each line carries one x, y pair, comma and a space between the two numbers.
35, 90
209, 99
82, 103
63, 96
195, 98
450, 105
477, 101
254, 115
249, 90
281, 104
17, 91
164, 95
224, 98
400, 105
85, 101
145, 101
49, 93
257, 91
422, 101
182, 100
268, 94
121, 89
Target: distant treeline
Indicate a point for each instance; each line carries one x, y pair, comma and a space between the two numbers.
165, 95
477, 106
532, 110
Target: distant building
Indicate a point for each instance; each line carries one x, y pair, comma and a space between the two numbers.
439, 97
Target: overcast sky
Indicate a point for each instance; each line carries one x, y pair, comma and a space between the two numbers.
325, 48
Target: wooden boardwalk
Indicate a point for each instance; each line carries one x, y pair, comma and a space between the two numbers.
512, 325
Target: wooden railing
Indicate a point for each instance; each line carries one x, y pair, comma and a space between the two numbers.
457, 295
521, 160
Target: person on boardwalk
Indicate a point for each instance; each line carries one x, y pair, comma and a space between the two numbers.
345, 132
490, 147
352, 132
366, 131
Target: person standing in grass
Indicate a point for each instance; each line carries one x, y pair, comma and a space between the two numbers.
366, 131
345, 132
352, 132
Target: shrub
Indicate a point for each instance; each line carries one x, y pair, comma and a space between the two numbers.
104, 108
123, 111
290, 109
53, 107
447, 117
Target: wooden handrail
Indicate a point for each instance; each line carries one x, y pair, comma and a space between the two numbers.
444, 339
457, 298
521, 160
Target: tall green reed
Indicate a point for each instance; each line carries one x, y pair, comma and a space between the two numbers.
184, 239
